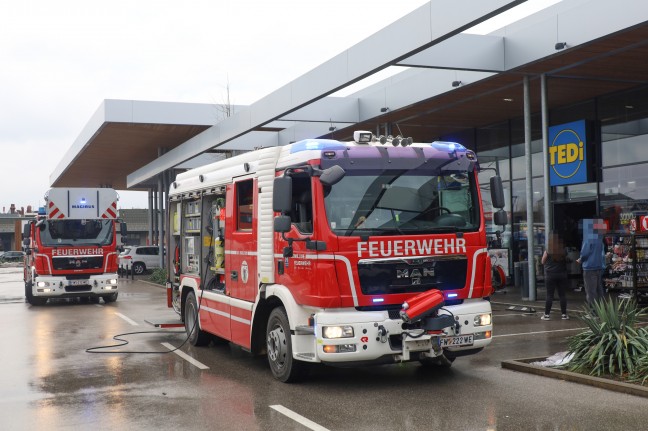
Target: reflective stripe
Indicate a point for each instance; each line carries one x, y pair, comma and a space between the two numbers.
224, 314
474, 265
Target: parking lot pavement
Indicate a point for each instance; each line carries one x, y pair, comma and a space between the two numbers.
51, 381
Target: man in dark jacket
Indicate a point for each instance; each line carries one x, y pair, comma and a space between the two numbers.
592, 259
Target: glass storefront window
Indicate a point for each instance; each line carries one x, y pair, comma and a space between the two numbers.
624, 195
625, 143
519, 167
519, 218
575, 192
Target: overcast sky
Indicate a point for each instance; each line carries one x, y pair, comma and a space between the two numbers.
60, 59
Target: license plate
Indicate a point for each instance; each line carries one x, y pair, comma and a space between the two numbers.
460, 340
77, 282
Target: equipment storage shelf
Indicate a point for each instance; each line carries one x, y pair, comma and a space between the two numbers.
627, 265
192, 217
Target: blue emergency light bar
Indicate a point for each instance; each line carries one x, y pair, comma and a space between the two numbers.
316, 144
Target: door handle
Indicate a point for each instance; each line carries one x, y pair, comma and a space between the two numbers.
234, 275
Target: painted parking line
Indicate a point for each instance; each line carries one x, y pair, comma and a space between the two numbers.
131, 321
538, 332
186, 357
298, 418
513, 314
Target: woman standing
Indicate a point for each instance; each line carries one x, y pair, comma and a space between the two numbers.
554, 260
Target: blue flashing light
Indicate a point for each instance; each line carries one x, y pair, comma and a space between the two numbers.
452, 295
376, 300
41, 210
83, 201
448, 146
316, 144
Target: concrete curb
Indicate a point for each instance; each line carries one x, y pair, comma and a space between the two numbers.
524, 366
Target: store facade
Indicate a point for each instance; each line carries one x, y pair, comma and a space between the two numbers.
616, 188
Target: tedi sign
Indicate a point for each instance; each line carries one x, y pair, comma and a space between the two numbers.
569, 154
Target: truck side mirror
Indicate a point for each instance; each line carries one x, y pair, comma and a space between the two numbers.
26, 231
282, 224
332, 175
123, 229
282, 194
500, 218
497, 192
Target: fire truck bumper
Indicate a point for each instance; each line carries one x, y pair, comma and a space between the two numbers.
373, 336
54, 287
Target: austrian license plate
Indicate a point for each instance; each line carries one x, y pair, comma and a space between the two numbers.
459, 340
77, 282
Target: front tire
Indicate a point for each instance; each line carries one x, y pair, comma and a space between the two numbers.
110, 298
197, 337
279, 345
33, 300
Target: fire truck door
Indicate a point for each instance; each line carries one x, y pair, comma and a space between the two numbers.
241, 256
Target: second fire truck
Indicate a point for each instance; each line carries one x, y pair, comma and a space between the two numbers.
71, 246
342, 253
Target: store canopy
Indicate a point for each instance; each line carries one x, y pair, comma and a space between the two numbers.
452, 82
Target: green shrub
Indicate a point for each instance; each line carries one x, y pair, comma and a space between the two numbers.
158, 276
613, 344
641, 372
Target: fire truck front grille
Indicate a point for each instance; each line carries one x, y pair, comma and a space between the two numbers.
411, 275
78, 262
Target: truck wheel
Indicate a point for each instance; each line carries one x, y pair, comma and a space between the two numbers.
110, 298
33, 300
443, 361
279, 345
139, 268
197, 337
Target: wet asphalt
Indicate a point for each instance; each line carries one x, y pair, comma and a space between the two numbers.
49, 381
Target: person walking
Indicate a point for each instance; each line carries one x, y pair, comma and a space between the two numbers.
592, 259
554, 260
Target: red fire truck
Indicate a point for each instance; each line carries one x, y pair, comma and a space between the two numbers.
71, 246
371, 251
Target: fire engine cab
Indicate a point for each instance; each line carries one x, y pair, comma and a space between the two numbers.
322, 251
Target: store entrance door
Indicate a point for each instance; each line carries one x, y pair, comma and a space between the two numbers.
567, 219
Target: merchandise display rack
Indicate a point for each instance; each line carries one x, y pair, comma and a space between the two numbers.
627, 265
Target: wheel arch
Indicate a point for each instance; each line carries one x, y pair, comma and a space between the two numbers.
272, 296
187, 285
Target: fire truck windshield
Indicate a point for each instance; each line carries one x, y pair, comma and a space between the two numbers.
76, 232
402, 202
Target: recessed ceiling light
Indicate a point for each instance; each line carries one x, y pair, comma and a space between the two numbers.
508, 100
629, 107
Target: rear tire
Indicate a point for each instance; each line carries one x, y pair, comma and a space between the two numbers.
33, 300
197, 337
279, 345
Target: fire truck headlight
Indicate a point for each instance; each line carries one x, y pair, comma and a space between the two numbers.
42, 284
483, 319
337, 331
113, 282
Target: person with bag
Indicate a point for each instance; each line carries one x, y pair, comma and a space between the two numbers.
554, 260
